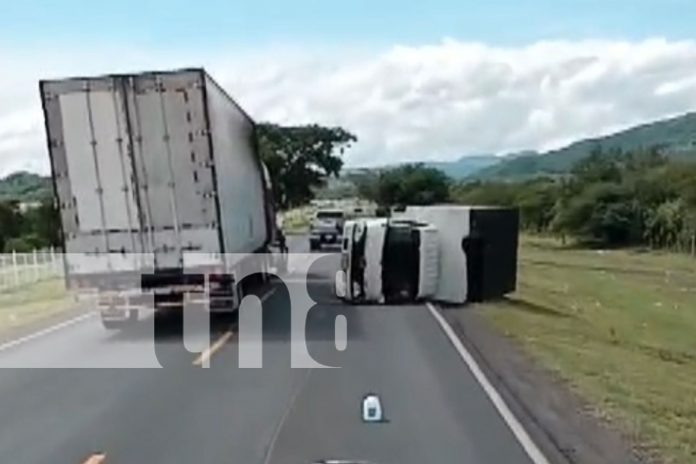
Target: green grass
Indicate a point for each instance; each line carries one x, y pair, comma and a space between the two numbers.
296, 221
29, 303
620, 327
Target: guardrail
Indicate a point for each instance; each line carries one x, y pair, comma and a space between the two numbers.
18, 269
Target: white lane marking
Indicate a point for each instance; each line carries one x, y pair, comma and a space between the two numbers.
515, 426
97, 458
75, 320
276, 433
46, 331
204, 358
268, 294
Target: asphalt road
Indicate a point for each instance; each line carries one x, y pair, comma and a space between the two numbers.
436, 411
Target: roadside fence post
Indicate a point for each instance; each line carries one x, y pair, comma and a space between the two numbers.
53, 267
15, 268
35, 259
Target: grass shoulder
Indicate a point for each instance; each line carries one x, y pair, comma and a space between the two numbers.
619, 326
27, 304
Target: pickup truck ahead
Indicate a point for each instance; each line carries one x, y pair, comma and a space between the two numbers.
150, 170
326, 228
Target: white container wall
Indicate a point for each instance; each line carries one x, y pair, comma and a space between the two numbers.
161, 163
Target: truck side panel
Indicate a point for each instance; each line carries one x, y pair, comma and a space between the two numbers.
174, 165
241, 191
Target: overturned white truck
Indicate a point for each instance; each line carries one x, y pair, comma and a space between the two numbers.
451, 254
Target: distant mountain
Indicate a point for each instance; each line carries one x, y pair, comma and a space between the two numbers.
457, 169
676, 137
25, 186
464, 166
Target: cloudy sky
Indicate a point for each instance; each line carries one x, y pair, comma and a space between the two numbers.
437, 80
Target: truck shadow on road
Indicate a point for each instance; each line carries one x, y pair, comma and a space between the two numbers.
511, 303
320, 318
169, 329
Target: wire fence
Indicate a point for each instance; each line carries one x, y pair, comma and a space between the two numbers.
18, 269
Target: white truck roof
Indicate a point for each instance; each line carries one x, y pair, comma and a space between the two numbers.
452, 223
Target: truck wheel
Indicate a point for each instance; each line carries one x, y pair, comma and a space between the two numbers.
313, 245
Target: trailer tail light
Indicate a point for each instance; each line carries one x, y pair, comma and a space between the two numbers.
218, 278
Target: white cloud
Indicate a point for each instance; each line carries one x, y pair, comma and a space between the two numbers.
435, 101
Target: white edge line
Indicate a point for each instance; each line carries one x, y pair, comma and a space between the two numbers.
270, 447
46, 331
515, 426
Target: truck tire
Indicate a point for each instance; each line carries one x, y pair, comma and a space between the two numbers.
314, 245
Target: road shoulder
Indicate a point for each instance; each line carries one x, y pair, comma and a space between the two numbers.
44, 323
559, 422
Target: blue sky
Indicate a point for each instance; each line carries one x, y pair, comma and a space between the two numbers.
250, 23
414, 80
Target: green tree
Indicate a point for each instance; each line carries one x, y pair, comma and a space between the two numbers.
598, 167
611, 198
300, 158
486, 193
642, 161
366, 184
665, 224
43, 222
604, 213
536, 201
409, 184
23, 244
10, 221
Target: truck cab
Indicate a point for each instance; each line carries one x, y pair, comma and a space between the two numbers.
387, 261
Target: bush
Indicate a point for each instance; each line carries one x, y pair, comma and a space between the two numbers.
610, 199
24, 244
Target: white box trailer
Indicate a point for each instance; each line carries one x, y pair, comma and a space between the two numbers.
451, 254
478, 250
155, 173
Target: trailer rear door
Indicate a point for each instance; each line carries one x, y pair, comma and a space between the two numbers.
174, 165
132, 167
88, 143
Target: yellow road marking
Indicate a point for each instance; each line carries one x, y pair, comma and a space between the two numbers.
208, 353
97, 458
205, 356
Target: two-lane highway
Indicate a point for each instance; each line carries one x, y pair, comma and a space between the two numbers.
436, 409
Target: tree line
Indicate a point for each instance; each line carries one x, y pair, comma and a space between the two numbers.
608, 199
28, 228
